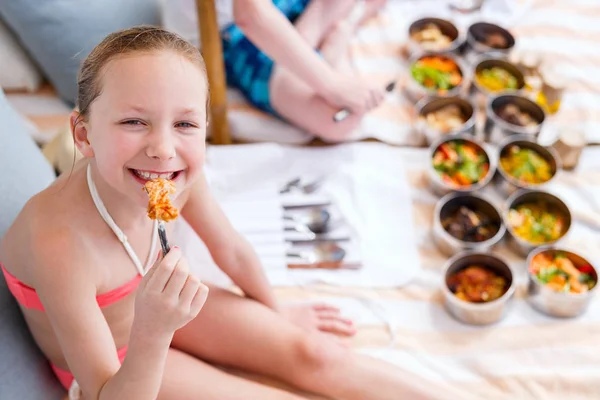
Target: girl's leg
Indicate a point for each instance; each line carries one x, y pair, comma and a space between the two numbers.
241, 333
294, 100
187, 378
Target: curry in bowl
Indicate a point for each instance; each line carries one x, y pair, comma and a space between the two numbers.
477, 284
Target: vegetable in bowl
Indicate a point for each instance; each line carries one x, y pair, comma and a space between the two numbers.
460, 163
437, 73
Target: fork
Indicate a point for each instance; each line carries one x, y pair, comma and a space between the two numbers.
162, 234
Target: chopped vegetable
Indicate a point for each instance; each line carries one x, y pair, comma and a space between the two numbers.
537, 223
557, 272
496, 79
525, 165
436, 73
460, 163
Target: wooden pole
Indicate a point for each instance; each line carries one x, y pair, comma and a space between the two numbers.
210, 40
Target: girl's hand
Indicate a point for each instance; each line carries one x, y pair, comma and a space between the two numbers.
321, 317
355, 94
168, 297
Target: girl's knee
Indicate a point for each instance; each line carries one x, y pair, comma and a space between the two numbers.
316, 352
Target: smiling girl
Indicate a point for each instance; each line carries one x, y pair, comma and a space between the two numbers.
119, 321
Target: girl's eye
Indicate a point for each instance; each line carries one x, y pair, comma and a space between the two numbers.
132, 122
184, 125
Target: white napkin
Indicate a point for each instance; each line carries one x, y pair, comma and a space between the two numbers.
365, 182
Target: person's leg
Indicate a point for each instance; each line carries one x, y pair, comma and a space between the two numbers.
187, 378
238, 332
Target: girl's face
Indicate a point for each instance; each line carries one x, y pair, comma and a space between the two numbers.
149, 121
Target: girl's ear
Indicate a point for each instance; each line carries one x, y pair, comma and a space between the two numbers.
80, 134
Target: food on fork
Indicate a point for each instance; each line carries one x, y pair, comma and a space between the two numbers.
159, 203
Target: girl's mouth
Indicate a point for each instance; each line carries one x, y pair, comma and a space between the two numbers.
145, 176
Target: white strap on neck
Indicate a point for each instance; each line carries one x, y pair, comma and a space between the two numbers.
118, 232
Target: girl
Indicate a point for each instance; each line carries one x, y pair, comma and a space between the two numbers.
80, 257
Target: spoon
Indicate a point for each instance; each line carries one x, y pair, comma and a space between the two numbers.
316, 220
323, 255
306, 188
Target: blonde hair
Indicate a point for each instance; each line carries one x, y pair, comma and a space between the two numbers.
141, 39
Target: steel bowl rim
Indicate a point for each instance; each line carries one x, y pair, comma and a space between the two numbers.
428, 100
461, 243
477, 306
526, 138
454, 44
508, 126
472, 41
566, 249
466, 137
517, 194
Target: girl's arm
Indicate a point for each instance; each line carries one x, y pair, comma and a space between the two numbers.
66, 288
230, 251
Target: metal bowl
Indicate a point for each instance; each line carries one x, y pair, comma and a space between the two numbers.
441, 188
449, 204
478, 313
475, 42
447, 28
554, 303
497, 129
427, 106
508, 184
416, 92
486, 63
520, 245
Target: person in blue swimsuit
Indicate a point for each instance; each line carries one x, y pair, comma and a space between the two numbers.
269, 53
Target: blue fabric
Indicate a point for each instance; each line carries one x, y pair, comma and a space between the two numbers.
248, 68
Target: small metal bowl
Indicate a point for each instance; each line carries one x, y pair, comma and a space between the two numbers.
416, 92
508, 184
427, 106
497, 129
476, 41
478, 313
441, 188
556, 304
445, 26
520, 245
448, 205
487, 63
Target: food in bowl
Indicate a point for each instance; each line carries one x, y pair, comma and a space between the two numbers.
470, 225
496, 79
525, 165
437, 73
557, 271
446, 119
431, 38
495, 40
537, 222
477, 284
460, 163
512, 114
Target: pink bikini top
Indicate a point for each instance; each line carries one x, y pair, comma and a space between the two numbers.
28, 297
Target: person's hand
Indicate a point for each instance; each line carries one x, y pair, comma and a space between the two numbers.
321, 317
354, 94
168, 296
